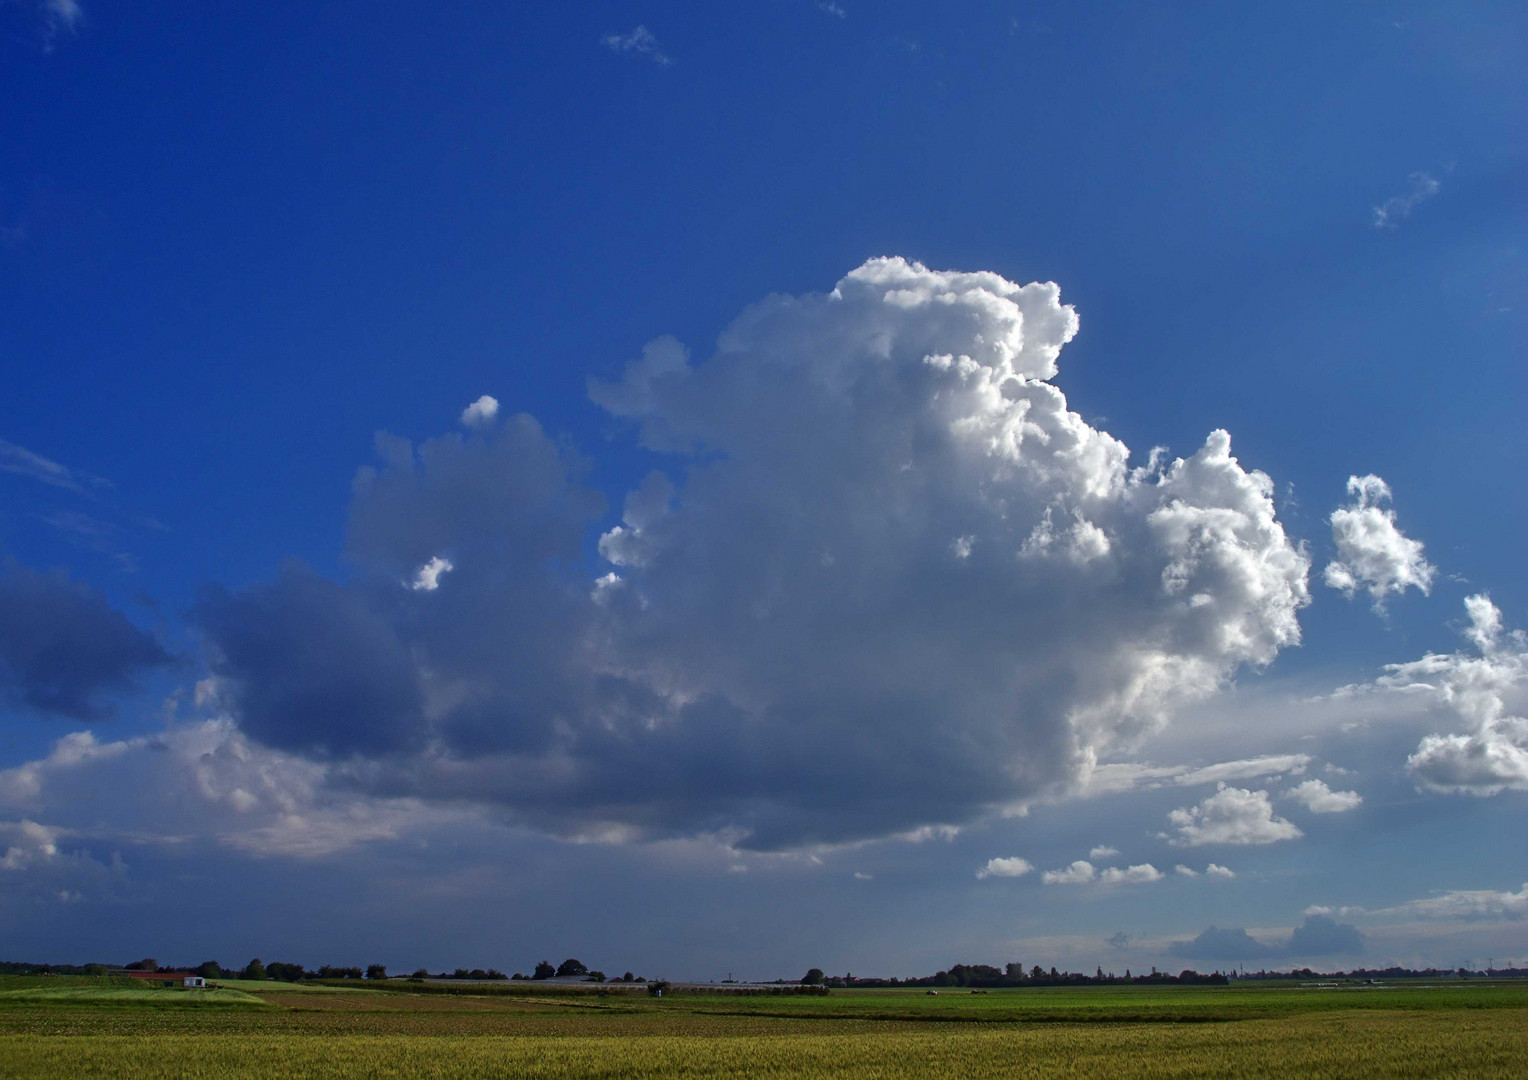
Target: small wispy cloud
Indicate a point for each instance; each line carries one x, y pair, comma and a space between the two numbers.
832, 9
63, 13
23, 462
49, 19
640, 41
92, 534
1397, 208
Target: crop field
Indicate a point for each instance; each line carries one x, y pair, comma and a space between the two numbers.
109, 1028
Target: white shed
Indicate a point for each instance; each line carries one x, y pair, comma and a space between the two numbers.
193, 980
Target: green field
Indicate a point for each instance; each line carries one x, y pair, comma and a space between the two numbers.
110, 1028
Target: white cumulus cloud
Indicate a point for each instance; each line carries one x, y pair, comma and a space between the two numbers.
832, 584
427, 577
1083, 872
26, 843
1489, 693
1218, 871
1103, 851
1079, 873
1231, 816
1141, 874
481, 412
1320, 799
1372, 553
1008, 868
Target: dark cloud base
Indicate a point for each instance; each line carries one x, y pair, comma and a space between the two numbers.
1318, 935
64, 648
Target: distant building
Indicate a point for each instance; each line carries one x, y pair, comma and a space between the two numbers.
193, 980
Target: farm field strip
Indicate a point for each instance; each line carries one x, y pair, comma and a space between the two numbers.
1399, 1045
108, 1030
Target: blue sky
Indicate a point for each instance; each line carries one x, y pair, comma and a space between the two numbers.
802, 564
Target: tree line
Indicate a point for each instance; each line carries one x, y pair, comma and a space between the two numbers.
259, 971
986, 976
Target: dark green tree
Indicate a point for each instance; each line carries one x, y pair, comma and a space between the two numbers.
254, 970
813, 977
571, 967
376, 971
544, 970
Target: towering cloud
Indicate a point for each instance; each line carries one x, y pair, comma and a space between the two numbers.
888, 580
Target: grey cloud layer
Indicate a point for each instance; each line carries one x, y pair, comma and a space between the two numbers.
889, 581
1318, 935
63, 647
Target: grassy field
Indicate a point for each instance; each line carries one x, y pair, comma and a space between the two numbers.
103, 1028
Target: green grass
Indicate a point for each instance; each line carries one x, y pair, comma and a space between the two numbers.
1246, 1030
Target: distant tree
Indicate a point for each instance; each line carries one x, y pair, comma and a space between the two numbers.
544, 970
595, 976
254, 970
628, 977
1014, 972
495, 973
144, 965
813, 977
284, 972
420, 976
461, 973
571, 967
656, 988
209, 969
1037, 972
376, 971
